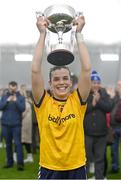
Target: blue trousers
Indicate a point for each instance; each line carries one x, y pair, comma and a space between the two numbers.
115, 149
79, 173
13, 134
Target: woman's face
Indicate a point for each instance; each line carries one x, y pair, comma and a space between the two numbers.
60, 83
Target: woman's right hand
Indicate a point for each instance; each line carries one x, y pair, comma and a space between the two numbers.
42, 24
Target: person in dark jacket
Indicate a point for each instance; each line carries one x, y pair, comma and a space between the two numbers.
116, 125
95, 127
12, 105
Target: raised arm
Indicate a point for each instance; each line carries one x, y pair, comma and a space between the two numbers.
37, 78
84, 81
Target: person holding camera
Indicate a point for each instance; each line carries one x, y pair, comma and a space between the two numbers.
12, 105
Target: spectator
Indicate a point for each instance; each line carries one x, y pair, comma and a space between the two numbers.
98, 104
1, 137
35, 132
117, 132
26, 136
12, 105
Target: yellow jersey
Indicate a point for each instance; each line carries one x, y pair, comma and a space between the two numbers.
61, 131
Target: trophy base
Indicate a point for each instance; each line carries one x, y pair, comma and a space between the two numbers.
60, 57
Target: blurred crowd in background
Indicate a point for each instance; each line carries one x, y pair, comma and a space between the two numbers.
102, 125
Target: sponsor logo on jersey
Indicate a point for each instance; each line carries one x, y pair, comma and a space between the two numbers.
58, 120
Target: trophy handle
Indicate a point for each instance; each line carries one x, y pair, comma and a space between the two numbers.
39, 14
78, 14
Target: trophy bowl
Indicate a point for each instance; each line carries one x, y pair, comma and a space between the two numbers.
60, 19
60, 13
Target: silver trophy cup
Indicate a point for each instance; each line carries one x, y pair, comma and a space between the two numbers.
60, 18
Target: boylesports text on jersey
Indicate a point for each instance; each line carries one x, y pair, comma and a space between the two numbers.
58, 120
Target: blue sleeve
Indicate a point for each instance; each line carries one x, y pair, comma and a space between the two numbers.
3, 102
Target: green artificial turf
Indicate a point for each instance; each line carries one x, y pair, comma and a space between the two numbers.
31, 169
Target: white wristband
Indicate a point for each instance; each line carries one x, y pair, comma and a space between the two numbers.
79, 37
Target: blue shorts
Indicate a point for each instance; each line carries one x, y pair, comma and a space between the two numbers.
79, 173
